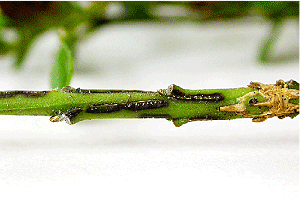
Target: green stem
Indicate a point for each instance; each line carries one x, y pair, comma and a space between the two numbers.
176, 104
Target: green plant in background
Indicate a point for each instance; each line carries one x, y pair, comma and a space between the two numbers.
277, 11
31, 19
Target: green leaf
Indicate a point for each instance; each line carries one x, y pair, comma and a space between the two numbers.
269, 6
4, 46
278, 9
137, 10
1, 20
62, 70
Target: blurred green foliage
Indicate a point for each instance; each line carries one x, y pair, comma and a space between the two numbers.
31, 19
137, 10
277, 10
3, 44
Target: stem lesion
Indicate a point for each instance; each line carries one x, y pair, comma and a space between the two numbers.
271, 99
258, 101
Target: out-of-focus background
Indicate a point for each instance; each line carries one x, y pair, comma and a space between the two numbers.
148, 46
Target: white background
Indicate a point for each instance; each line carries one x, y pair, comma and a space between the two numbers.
151, 158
